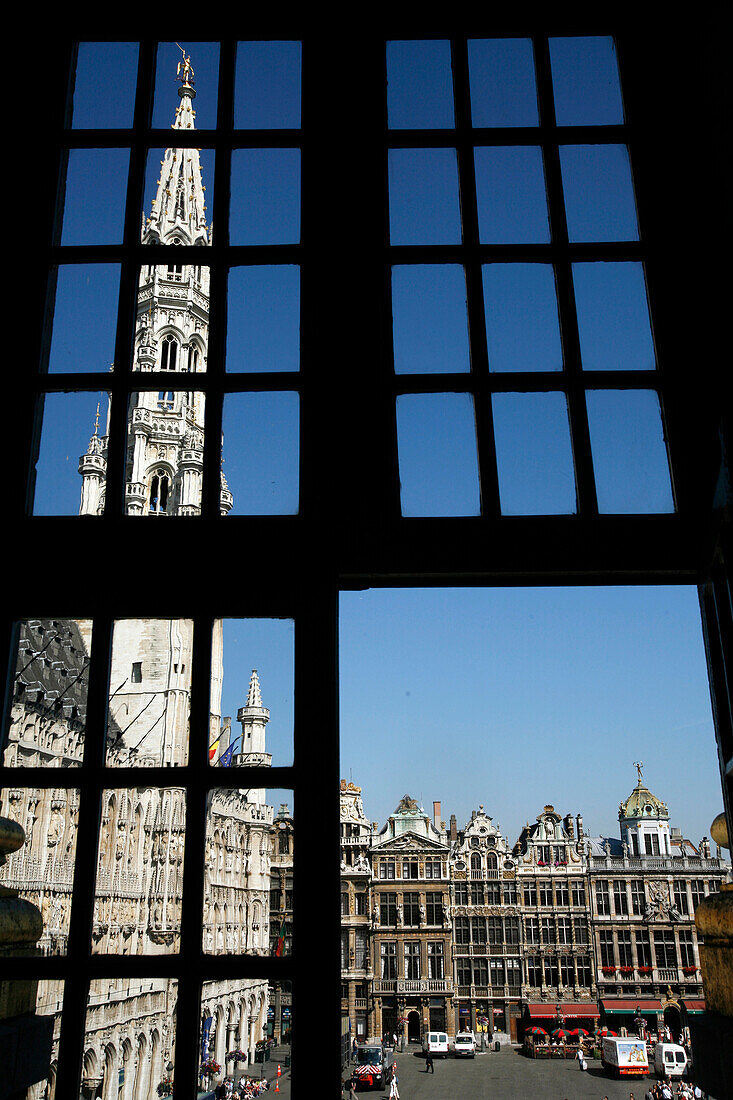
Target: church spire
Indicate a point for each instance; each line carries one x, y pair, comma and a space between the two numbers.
254, 697
178, 214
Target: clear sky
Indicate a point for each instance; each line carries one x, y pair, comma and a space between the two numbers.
517, 697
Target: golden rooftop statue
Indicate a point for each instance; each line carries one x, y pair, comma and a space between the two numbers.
184, 72
639, 764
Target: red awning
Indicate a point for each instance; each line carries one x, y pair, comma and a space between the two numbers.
569, 1011
631, 1006
694, 1006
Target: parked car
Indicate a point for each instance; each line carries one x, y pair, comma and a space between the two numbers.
436, 1042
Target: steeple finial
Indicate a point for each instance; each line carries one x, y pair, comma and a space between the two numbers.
185, 72
254, 698
639, 764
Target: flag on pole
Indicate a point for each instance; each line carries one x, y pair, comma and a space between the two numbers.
225, 760
212, 749
280, 940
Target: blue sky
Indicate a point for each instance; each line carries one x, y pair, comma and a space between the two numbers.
517, 697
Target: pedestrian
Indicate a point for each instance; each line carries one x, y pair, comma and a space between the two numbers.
429, 1063
394, 1091
352, 1088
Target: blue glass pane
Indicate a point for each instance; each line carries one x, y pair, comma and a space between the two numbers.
502, 81
423, 197
629, 452
585, 82
67, 426
265, 196
261, 452
522, 327
84, 318
534, 454
267, 85
419, 85
599, 193
94, 106
430, 322
205, 64
613, 316
263, 319
436, 435
94, 204
512, 202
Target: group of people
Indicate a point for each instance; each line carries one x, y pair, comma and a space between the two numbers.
246, 1088
682, 1090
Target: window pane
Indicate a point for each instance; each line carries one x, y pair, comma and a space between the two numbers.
419, 85
599, 194
585, 81
150, 693
204, 60
249, 856
629, 451
510, 189
437, 454
165, 448
175, 207
423, 197
131, 1031
137, 907
68, 432
261, 452
252, 667
94, 201
502, 81
84, 318
534, 454
430, 322
263, 319
613, 316
48, 710
522, 327
267, 85
94, 107
265, 196
42, 868
241, 1018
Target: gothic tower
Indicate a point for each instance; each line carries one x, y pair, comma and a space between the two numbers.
165, 427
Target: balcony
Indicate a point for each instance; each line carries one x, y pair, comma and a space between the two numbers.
425, 985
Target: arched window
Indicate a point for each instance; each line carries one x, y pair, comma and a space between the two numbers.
159, 493
169, 353
193, 358
165, 400
175, 272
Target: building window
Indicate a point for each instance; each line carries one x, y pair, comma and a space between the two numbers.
159, 494
567, 970
680, 898
511, 930
387, 869
478, 930
344, 905
361, 946
410, 868
513, 973
531, 930
493, 893
665, 952
651, 844
496, 970
534, 971
545, 891
578, 892
638, 900
412, 961
562, 893
360, 900
461, 893
463, 931
168, 352
564, 935
411, 910
137, 672
530, 893
433, 868
605, 945
434, 908
583, 967
388, 957
496, 930
643, 948
580, 930
687, 948
624, 948
388, 910
603, 901
509, 893
620, 900
552, 972
480, 973
697, 892
436, 962
463, 972
548, 929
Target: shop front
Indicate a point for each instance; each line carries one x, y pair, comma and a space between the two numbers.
565, 1014
619, 1012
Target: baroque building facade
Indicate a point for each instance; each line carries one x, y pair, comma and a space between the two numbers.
560, 929
130, 1025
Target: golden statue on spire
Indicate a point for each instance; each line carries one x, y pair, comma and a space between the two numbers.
184, 72
639, 764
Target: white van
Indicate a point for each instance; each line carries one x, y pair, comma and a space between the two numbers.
436, 1042
465, 1045
670, 1060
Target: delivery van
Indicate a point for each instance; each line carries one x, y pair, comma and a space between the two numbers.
624, 1057
670, 1060
436, 1042
464, 1045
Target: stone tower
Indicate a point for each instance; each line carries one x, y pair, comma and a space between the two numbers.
165, 427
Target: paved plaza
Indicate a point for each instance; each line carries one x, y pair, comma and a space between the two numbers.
506, 1075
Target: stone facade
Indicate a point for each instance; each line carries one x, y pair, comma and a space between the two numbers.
356, 960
